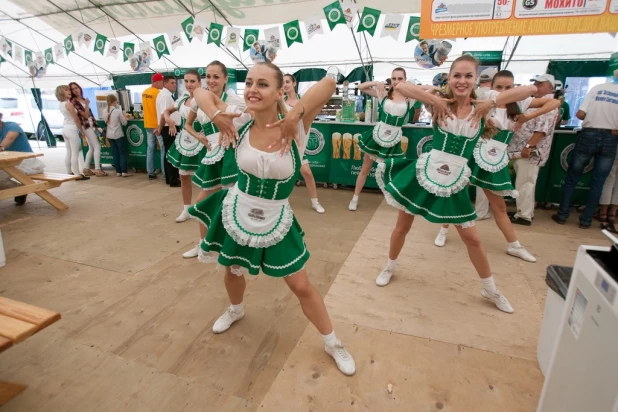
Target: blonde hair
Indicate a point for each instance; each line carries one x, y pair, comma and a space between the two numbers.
111, 99
281, 106
60, 92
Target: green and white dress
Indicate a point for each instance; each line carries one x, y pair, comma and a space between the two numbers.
186, 152
435, 185
384, 140
490, 160
252, 224
218, 166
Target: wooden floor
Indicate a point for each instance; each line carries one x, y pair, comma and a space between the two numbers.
136, 328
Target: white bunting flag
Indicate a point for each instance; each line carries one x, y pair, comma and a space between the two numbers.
175, 39
273, 38
232, 39
89, 37
39, 60
78, 37
199, 29
58, 52
392, 25
5, 47
313, 25
18, 53
114, 49
349, 12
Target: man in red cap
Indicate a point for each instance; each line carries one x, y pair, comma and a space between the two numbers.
151, 122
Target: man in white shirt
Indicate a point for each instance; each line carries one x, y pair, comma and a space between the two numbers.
597, 140
485, 82
533, 141
165, 100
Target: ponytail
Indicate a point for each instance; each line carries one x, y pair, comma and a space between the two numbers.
281, 107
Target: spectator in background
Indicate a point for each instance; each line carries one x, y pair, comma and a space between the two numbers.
13, 138
533, 142
115, 119
597, 140
71, 128
151, 123
609, 200
165, 100
89, 130
485, 82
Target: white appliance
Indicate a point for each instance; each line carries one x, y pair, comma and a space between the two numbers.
583, 371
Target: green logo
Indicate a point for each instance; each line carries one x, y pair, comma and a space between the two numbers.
565, 159
369, 21
334, 15
424, 145
201, 71
135, 135
316, 142
415, 29
177, 72
292, 33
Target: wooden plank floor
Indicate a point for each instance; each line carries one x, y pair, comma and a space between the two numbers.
136, 328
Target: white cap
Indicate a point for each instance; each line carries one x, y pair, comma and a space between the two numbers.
488, 74
558, 85
544, 78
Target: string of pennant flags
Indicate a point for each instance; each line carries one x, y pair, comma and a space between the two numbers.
336, 13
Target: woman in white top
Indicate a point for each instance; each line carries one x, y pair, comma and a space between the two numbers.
71, 129
216, 80
291, 98
118, 142
90, 128
252, 225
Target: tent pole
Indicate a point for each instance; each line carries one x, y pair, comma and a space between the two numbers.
360, 55
17, 84
365, 37
512, 52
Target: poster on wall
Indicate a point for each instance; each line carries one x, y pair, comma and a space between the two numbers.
262, 52
432, 53
490, 18
487, 59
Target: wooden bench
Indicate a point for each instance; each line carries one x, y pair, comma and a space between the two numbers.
19, 321
56, 178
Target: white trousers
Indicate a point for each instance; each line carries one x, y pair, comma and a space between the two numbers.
94, 148
525, 184
609, 196
74, 145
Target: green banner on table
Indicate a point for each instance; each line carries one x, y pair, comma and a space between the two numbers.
347, 159
318, 151
561, 153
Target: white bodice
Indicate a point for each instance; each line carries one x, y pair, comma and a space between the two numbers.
499, 117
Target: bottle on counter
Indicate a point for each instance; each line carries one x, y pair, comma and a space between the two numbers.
369, 110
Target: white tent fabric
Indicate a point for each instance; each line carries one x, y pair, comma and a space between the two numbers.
333, 48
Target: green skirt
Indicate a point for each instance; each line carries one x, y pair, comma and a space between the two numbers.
223, 173
368, 145
397, 179
283, 259
183, 162
498, 183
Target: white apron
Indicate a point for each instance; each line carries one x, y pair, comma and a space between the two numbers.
386, 135
491, 155
441, 173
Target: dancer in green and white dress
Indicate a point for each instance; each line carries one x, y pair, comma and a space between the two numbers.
251, 226
436, 185
489, 164
187, 150
217, 168
291, 98
384, 140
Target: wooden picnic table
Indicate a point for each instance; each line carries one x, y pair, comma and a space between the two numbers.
19, 321
9, 161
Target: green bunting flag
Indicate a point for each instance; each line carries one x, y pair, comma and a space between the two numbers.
2, 59
292, 33
160, 46
68, 44
215, 32
369, 20
27, 57
49, 56
414, 29
128, 51
187, 27
99, 43
334, 14
250, 37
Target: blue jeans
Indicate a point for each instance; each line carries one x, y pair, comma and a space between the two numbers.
600, 146
151, 151
119, 153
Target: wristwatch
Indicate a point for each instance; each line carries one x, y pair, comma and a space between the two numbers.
529, 147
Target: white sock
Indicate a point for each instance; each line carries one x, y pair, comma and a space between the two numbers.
391, 264
489, 285
515, 244
239, 307
186, 208
330, 339
444, 230
314, 201
355, 198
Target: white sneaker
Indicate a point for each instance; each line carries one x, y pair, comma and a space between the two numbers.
485, 217
184, 216
227, 319
440, 239
345, 361
353, 205
521, 253
499, 300
384, 277
192, 253
318, 208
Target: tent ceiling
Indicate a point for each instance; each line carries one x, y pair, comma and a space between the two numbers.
160, 16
